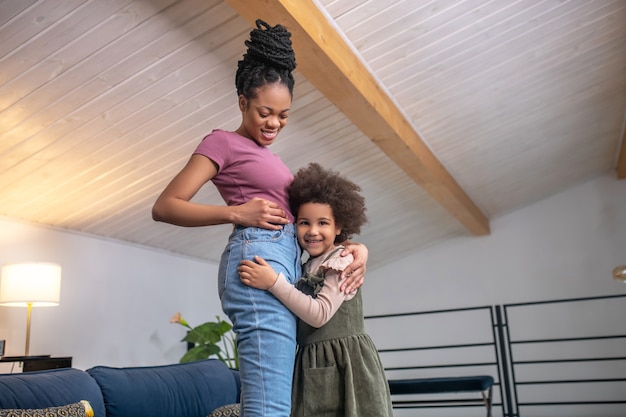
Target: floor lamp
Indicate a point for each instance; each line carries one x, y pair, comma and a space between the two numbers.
30, 285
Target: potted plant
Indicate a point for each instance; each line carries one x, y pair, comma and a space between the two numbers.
213, 338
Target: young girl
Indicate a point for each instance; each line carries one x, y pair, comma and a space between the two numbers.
254, 183
338, 371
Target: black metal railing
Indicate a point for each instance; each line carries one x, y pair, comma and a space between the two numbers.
557, 364
541, 354
472, 352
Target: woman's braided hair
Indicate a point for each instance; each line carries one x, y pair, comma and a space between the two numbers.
314, 184
269, 59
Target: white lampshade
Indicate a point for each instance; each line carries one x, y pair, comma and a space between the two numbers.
37, 284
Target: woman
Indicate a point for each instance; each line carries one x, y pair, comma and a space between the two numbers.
254, 184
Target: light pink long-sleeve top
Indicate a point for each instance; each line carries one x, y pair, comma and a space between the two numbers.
319, 310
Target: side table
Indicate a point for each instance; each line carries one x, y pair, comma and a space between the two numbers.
40, 362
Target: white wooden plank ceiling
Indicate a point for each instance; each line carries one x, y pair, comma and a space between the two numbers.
101, 103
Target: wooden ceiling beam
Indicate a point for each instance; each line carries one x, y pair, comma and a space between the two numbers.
326, 59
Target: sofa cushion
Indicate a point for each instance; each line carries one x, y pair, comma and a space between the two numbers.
50, 388
191, 389
79, 409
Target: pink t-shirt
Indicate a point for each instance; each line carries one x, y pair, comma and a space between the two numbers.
246, 169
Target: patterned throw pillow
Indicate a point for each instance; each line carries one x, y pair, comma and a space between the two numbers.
230, 410
79, 409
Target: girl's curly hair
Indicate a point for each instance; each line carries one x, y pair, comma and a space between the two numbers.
270, 58
314, 184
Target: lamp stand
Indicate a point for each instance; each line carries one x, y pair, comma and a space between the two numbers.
28, 314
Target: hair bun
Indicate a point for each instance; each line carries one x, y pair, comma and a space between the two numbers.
270, 46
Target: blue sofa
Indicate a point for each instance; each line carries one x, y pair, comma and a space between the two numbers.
191, 389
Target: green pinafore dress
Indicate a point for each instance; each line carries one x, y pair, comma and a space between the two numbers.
338, 372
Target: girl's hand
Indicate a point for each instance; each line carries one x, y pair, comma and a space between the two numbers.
263, 213
257, 275
353, 276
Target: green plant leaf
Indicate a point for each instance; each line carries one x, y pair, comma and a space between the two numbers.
207, 338
199, 353
209, 332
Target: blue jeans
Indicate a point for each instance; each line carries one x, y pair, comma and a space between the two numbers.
265, 328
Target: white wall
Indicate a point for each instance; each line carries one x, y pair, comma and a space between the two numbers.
565, 246
116, 299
